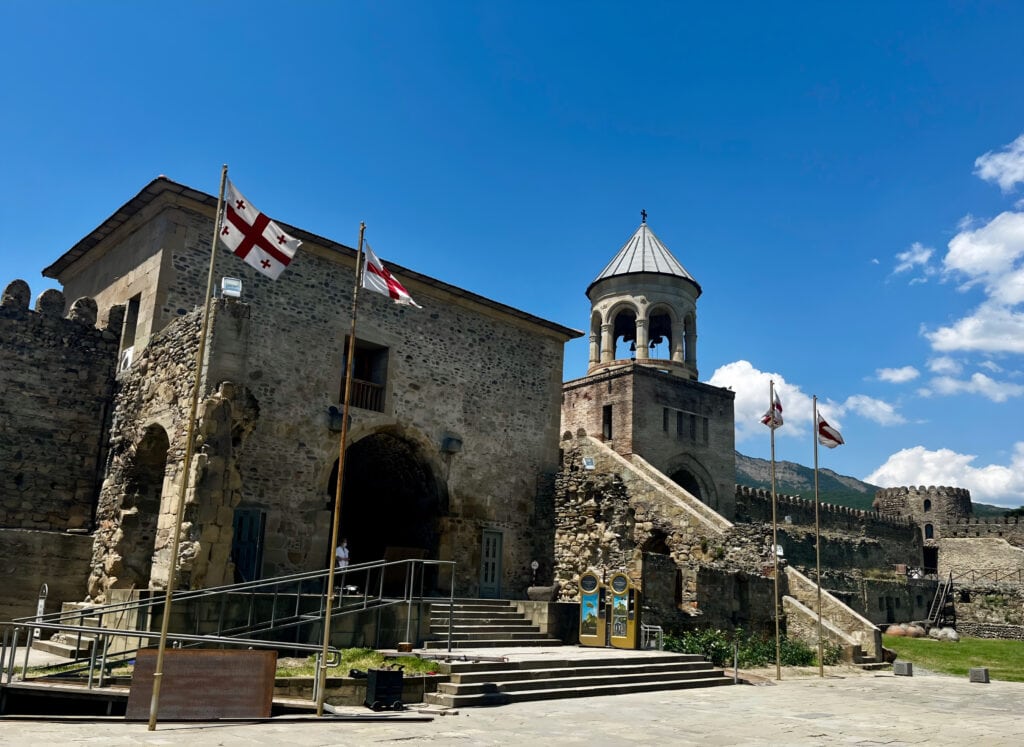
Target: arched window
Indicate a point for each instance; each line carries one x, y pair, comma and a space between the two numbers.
927, 505
929, 532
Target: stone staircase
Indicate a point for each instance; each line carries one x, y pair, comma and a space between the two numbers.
498, 683
483, 623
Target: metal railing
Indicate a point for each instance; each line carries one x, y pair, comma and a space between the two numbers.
253, 614
988, 575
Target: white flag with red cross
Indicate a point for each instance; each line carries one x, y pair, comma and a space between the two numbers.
377, 278
253, 237
827, 435
773, 418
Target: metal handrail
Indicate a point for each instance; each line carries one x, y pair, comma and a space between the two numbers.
239, 635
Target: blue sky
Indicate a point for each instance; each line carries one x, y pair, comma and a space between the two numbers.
845, 181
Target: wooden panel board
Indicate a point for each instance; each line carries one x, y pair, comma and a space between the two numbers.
204, 684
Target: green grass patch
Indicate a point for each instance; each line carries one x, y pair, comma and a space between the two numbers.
1004, 659
357, 658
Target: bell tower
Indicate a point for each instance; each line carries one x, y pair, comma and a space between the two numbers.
643, 310
641, 395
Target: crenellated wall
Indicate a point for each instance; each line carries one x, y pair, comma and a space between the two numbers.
755, 504
932, 508
56, 379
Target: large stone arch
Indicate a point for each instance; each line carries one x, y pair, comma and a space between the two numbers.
145, 478
393, 497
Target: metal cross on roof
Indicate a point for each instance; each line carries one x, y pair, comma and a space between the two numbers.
643, 216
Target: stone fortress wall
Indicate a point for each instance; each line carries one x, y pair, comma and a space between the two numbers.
755, 504
924, 506
56, 379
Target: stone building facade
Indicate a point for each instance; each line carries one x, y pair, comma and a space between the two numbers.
453, 441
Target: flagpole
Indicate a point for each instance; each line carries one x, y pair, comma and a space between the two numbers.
322, 673
775, 532
817, 538
158, 673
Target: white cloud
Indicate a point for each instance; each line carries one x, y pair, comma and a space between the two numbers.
992, 328
991, 366
898, 375
979, 383
1005, 168
917, 255
999, 484
870, 408
751, 388
990, 255
943, 364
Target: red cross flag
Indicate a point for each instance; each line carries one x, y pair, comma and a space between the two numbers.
377, 278
773, 418
255, 238
827, 435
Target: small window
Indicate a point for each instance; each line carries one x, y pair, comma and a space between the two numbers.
131, 322
679, 423
606, 422
929, 532
927, 505
664, 419
693, 427
705, 428
369, 376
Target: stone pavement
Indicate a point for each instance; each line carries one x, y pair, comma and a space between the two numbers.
848, 709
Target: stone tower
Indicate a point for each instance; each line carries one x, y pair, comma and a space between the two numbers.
641, 395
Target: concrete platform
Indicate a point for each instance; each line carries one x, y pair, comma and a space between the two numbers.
863, 709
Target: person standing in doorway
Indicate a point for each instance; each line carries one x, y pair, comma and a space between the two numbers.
341, 554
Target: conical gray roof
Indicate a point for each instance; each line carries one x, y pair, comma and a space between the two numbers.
644, 252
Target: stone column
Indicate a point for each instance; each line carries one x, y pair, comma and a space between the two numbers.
607, 344
641, 339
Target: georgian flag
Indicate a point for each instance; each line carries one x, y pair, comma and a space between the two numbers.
827, 435
255, 238
773, 418
377, 278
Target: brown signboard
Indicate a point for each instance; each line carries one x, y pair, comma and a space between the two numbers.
204, 685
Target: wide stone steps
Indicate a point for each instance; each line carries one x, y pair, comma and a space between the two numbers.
481, 623
498, 683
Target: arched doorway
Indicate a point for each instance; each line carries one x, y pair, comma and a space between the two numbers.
391, 501
144, 483
688, 482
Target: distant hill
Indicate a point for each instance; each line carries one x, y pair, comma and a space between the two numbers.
795, 479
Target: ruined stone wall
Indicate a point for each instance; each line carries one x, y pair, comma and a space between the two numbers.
989, 604
137, 509
1008, 528
611, 518
935, 506
56, 375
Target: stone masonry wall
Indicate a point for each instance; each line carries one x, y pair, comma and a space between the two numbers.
610, 518
459, 368
673, 423
1009, 528
979, 558
933, 505
30, 558
56, 376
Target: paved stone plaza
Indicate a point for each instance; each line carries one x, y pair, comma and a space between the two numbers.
851, 709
